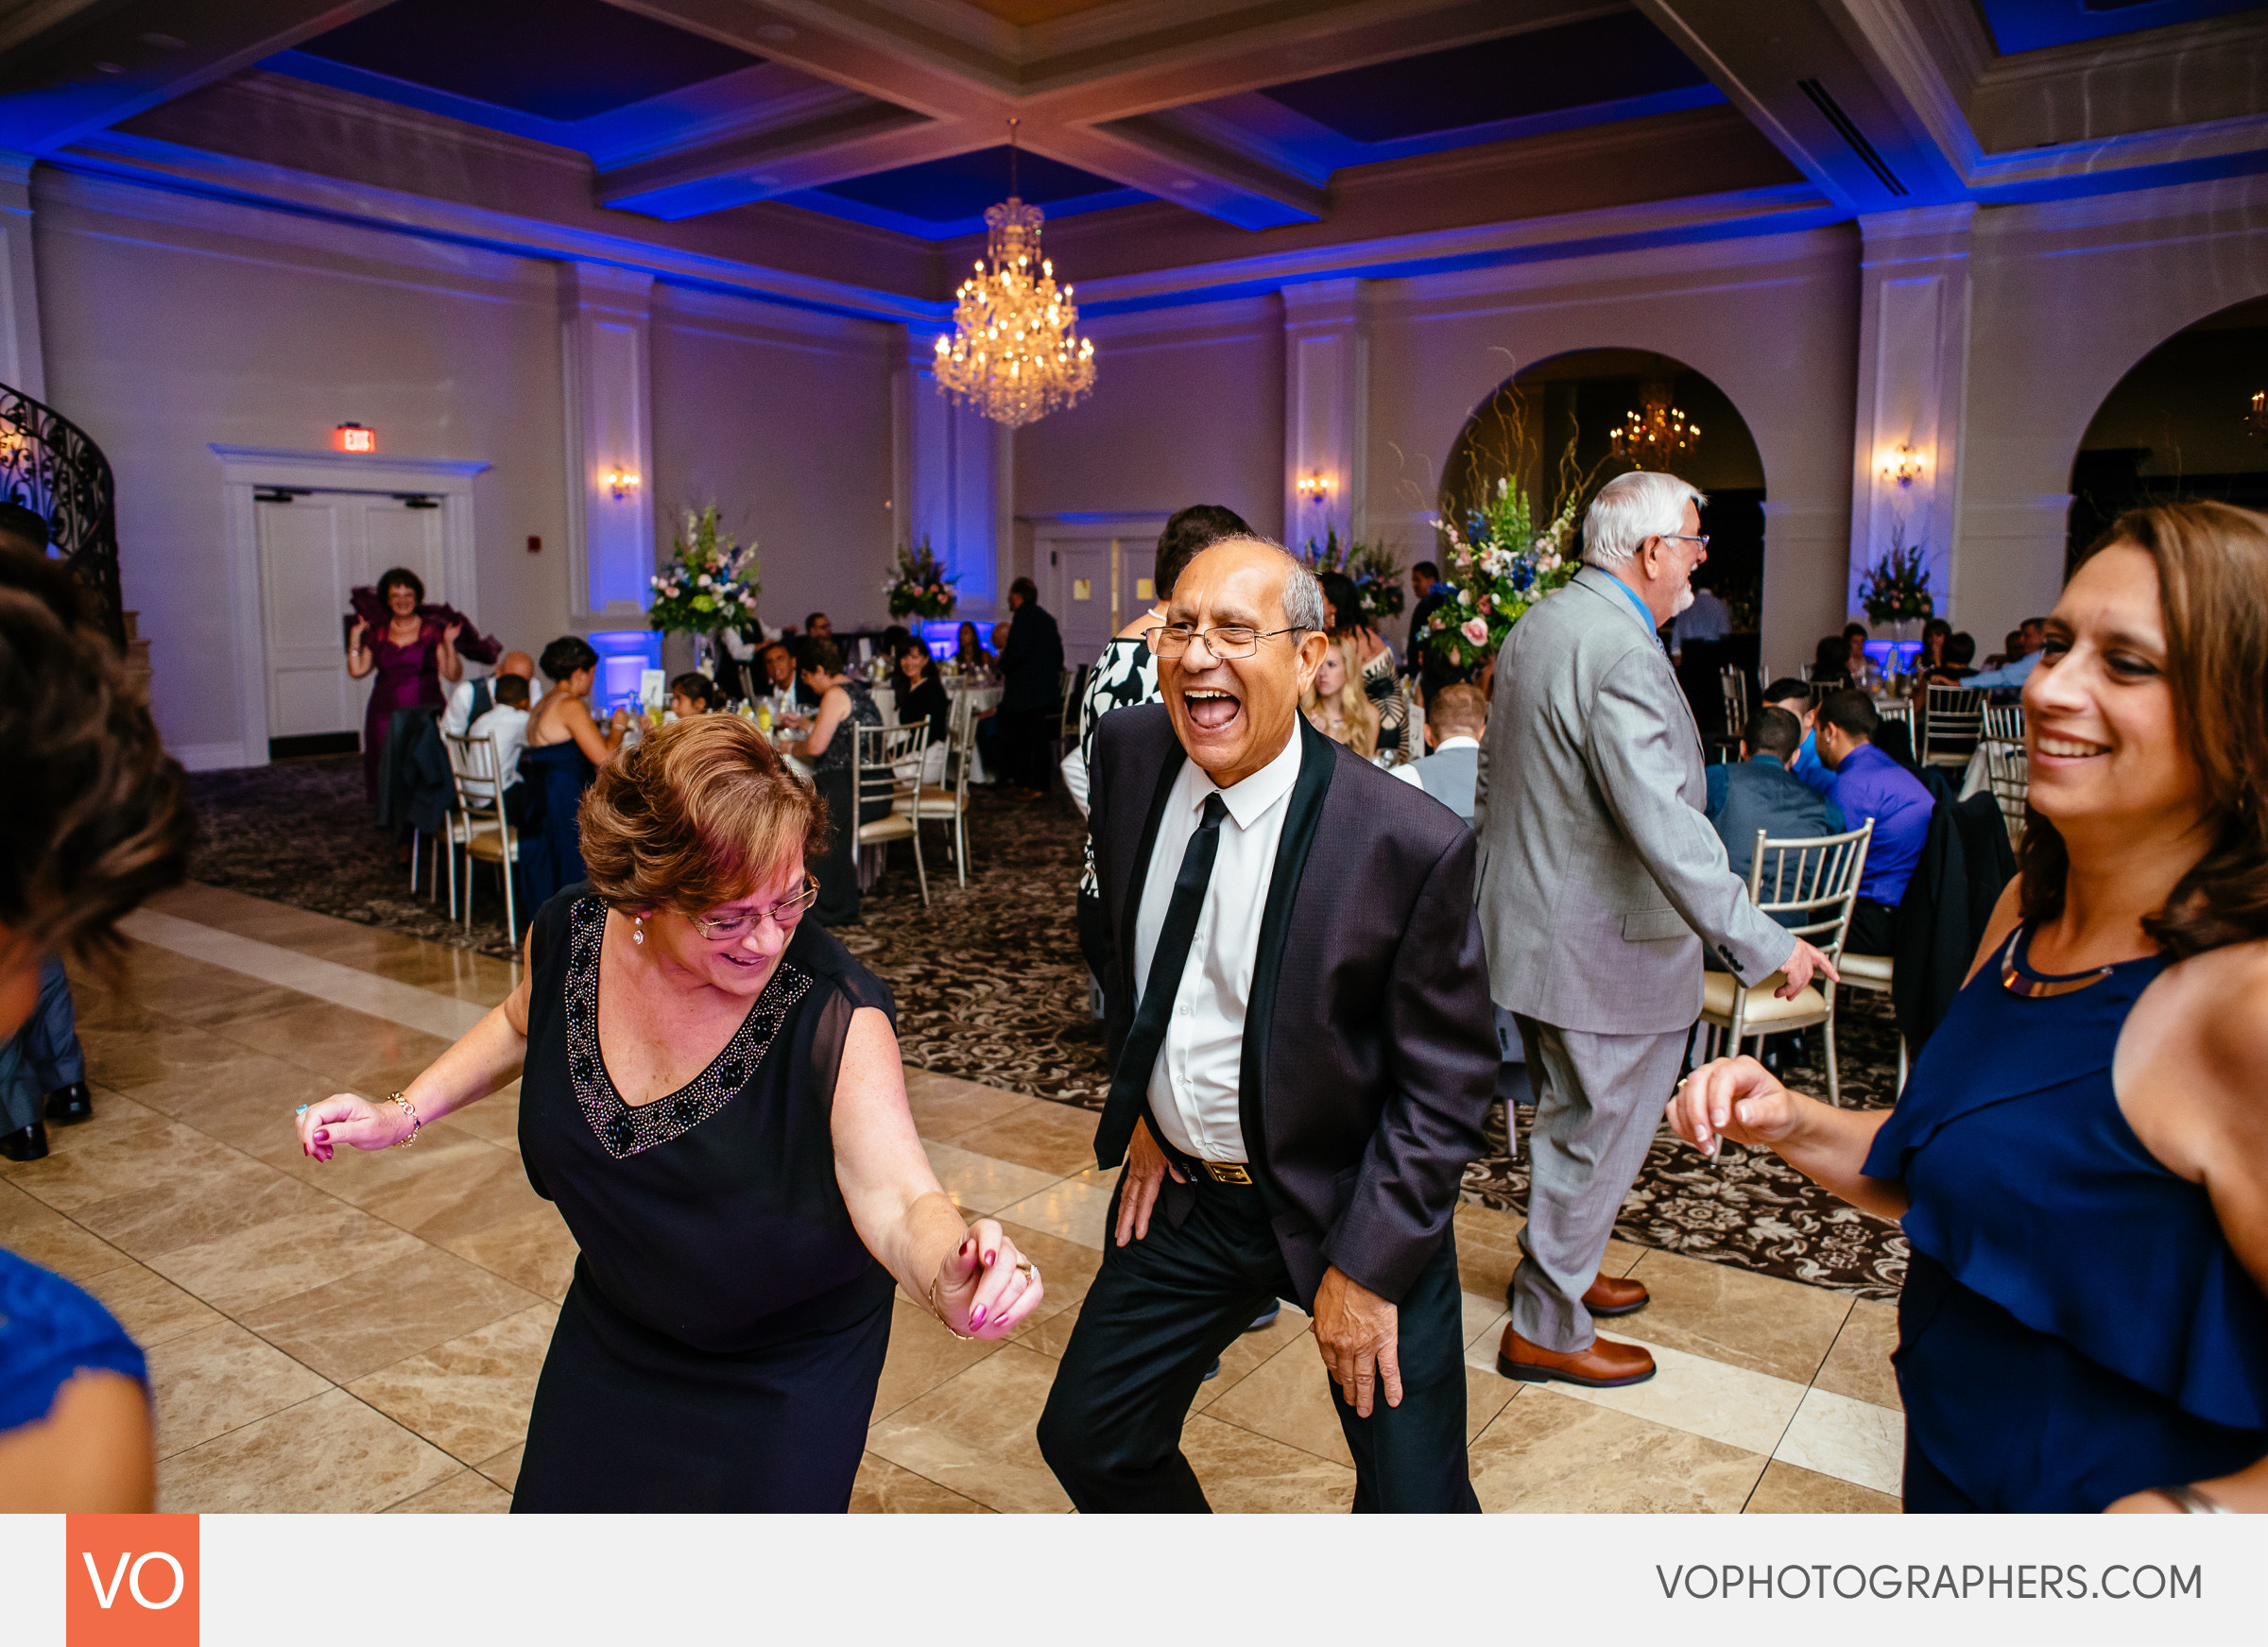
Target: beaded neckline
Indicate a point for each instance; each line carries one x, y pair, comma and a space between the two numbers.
621, 1129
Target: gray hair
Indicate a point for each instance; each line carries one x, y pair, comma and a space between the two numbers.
1304, 607
1632, 508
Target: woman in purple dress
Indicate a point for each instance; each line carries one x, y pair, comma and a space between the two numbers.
412, 655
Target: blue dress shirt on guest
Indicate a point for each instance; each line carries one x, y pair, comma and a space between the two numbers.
2014, 674
1869, 784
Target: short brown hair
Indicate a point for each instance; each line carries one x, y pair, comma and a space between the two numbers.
820, 655
98, 815
2212, 591
1457, 706
695, 815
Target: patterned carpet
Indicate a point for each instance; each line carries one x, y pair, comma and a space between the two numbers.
991, 987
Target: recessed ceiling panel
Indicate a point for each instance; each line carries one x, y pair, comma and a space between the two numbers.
959, 188
1601, 59
561, 59
2019, 25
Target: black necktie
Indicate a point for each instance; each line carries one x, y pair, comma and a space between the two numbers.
1140, 1054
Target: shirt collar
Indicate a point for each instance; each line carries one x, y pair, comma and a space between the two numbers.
1248, 800
1645, 616
1458, 742
1766, 755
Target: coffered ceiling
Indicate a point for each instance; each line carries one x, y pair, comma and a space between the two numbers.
1178, 122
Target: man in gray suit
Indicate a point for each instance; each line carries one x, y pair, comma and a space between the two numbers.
1598, 868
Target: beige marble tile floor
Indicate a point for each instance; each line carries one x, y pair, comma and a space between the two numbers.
366, 1335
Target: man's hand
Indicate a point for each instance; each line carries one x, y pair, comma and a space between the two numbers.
1356, 1331
1799, 968
1147, 1168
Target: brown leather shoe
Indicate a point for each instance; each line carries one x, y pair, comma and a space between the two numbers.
1608, 1294
1604, 1365
1614, 1296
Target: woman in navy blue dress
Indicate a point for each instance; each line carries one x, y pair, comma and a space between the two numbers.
2080, 1159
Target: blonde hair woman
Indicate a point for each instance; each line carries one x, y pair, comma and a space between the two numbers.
1338, 706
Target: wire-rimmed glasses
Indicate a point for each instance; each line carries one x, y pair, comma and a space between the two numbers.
784, 914
1231, 642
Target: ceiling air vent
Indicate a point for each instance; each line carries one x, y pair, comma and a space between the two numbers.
1824, 100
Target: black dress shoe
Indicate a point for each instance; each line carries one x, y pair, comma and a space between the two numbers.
69, 1105
1266, 1319
1211, 1372
28, 1145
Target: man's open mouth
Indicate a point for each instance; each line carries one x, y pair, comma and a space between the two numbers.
1210, 708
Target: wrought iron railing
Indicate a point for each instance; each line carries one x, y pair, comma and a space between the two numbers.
50, 465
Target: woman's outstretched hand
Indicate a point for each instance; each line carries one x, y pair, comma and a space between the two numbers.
1734, 1098
349, 1118
985, 1287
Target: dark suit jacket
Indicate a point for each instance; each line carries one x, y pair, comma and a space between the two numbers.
1370, 1051
1031, 661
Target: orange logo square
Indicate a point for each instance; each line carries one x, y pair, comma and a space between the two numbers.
131, 1581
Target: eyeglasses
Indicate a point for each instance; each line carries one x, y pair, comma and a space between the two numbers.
1687, 538
784, 914
1229, 642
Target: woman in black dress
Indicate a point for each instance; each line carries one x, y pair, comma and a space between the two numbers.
710, 1092
845, 705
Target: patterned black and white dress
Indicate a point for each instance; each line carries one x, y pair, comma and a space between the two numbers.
1124, 676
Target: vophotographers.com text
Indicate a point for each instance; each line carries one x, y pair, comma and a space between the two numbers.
1884, 1581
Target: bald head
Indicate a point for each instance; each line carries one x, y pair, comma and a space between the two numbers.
518, 663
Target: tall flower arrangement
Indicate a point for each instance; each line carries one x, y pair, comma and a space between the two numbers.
1499, 565
1896, 587
1375, 571
711, 583
920, 587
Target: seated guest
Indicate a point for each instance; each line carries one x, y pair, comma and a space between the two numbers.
2078, 1160
1830, 663
776, 678
1870, 785
2023, 657
1761, 792
969, 650
471, 699
999, 641
710, 1092
1455, 722
818, 627
922, 697
693, 694
1954, 668
894, 639
98, 819
829, 747
1335, 704
1856, 663
1798, 700
506, 726
564, 751
1934, 634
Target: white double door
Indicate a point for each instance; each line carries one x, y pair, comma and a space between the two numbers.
314, 547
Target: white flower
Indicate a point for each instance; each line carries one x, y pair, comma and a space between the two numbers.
1464, 596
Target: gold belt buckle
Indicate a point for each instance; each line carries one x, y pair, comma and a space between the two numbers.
1225, 1172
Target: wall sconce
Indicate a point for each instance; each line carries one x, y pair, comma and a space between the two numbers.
1313, 487
621, 481
2260, 414
1903, 465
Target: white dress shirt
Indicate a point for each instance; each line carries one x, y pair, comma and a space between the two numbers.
508, 727
1195, 1086
459, 714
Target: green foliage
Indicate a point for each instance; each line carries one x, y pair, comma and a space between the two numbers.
920, 587
1375, 571
711, 583
1498, 567
1896, 587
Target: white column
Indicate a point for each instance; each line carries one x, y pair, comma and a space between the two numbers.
21, 366
1326, 411
1912, 385
604, 317
953, 475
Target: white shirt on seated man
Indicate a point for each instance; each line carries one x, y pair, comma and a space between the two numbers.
506, 726
469, 692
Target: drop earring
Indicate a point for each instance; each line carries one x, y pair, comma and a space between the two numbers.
638, 929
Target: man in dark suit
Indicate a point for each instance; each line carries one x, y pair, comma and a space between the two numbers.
1425, 583
1031, 668
1303, 1049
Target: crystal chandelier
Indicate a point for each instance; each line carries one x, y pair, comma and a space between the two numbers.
1015, 353
1656, 432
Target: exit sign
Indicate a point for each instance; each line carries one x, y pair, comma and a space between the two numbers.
353, 438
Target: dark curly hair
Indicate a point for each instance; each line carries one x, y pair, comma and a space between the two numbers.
694, 816
406, 578
2212, 580
98, 815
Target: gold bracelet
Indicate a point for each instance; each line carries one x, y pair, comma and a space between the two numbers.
415, 1124
937, 1309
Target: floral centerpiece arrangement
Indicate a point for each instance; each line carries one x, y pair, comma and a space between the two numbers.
1896, 587
1498, 566
920, 587
711, 583
1374, 571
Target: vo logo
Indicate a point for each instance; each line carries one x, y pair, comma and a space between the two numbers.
131, 1581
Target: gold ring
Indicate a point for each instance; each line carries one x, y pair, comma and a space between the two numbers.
1026, 1268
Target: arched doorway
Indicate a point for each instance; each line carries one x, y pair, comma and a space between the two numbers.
2181, 423
1551, 428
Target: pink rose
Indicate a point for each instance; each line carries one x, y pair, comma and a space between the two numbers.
1475, 630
